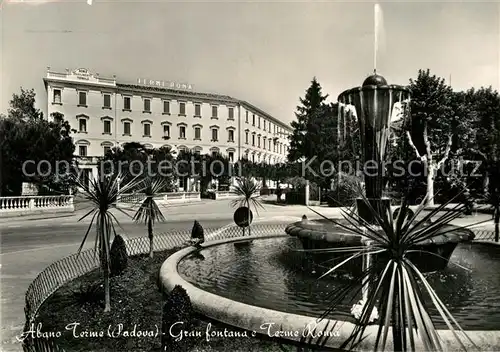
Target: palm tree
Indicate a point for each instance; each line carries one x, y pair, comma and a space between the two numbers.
248, 191
102, 193
149, 212
397, 285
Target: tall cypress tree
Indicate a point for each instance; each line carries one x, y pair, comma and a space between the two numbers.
307, 113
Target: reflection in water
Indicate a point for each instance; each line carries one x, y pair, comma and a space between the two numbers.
270, 274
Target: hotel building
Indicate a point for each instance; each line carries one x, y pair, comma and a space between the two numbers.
107, 114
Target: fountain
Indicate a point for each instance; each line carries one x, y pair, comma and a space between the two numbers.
270, 288
374, 103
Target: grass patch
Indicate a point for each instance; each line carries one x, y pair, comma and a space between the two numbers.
135, 301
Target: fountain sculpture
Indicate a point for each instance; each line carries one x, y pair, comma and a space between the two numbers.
374, 102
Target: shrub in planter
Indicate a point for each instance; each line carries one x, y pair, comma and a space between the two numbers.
177, 308
118, 256
197, 234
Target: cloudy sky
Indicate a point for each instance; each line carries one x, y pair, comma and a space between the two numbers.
262, 52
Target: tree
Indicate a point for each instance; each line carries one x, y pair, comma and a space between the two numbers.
307, 123
22, 106
28, 139
248, 192
431, 134
103, 193
134, 159
486, 110
149, 211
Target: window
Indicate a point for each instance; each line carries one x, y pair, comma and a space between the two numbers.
107, 127
264, 125
106, 101
166, 131
147, 129
269, 126
82, 150
82, 127
147, 105
197, 110
269, 144
126, 128
107, 149
253, 158
166, 107
253, 120
231, 156
246, 137
197, 151
258, 141
214, 112
126, 103
264, 142
182, 132
230, 113
215, 135
197, 133
57, 96
259, 122
246, 116
82, 98
182, 108
230, 136
253, 140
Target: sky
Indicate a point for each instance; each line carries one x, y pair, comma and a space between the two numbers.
263, 52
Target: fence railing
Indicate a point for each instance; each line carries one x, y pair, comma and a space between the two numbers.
137, 198
27, 204
225, 194
69, 268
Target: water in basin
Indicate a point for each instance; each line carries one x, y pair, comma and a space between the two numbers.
269, 273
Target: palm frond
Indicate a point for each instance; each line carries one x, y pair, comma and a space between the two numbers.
397, 285
248, 191
149, 209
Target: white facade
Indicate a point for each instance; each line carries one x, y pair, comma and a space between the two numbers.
106, 114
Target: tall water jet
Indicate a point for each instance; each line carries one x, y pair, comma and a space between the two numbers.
378, 32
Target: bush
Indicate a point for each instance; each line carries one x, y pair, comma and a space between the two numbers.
197, 232
90, 293
345, 193
295, 197
177, 308
118, 256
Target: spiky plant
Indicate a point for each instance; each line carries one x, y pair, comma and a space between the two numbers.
102, 194
396, 284
248, 192
149, 212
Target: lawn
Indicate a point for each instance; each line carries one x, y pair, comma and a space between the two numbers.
76, 310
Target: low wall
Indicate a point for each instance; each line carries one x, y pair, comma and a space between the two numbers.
225, 195
162, 198
32, 205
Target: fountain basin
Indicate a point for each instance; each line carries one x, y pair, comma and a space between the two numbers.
324, 234
215, 302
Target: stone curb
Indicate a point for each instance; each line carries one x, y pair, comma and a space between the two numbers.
292, 326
